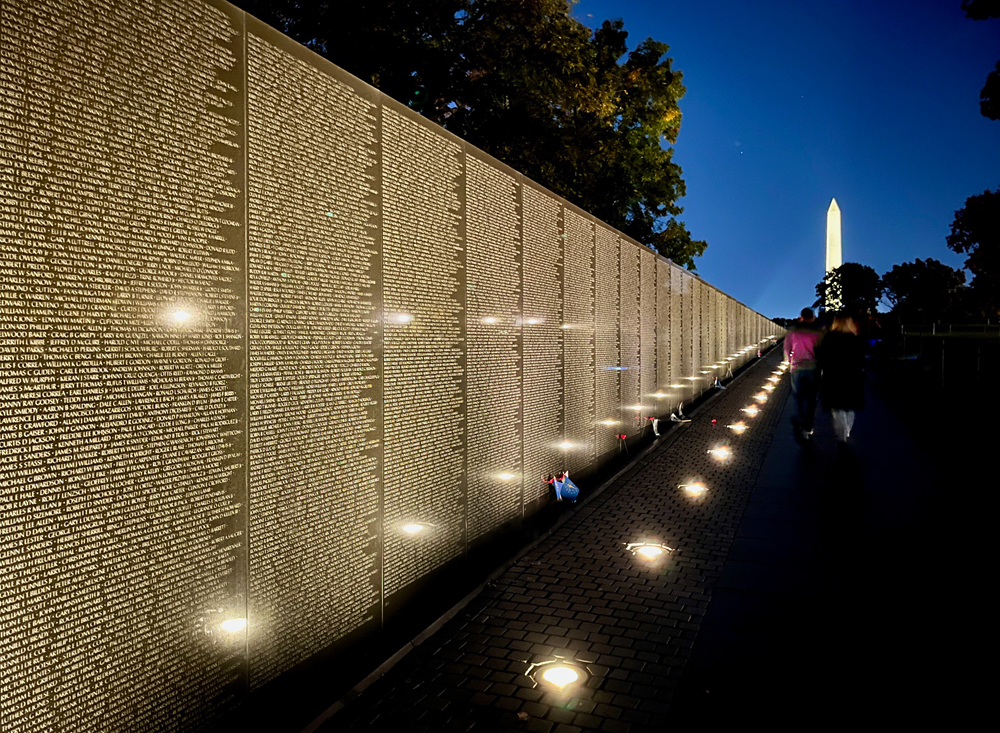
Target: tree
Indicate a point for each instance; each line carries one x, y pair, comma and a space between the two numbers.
989, 97
852, 287
923, 290
976, 232
527, 83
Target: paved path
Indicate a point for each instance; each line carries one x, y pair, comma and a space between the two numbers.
789, 595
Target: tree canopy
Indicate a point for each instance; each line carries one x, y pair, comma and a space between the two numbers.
852, 287
976, 232
989, 97
924, 290
523, 80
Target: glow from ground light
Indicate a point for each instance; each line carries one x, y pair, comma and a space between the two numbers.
533, 321
414, 528
768, 388
694, 488
648, 551
401, 318
565, 445
506, 476
738, 427
490, 320
609, 423
559, 675
233, 625
760, 397
751, 410
181, 316
722, 453
659, 395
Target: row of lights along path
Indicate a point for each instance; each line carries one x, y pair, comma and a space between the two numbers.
591, 629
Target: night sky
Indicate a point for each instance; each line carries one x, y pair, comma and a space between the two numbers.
790, 104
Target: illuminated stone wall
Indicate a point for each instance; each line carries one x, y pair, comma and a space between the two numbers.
273, 350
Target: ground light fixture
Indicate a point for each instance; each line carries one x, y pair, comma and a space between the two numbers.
768, 387
694, 488
721, 453
648, 551
760, 397
751, 410
558, 674
738, 427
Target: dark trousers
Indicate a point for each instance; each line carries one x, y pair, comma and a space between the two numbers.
805, 387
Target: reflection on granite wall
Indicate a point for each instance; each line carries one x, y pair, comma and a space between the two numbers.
273, 350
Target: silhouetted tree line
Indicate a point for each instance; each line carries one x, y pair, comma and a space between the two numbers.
925, 291
524, 81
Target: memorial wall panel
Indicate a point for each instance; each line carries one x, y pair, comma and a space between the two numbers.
493, 353
122, 405
678, 346
648, 306
665, 345
243, 411
692, 303
606, 339
315, 374
628, 335
423, 284
578, 341
542, 339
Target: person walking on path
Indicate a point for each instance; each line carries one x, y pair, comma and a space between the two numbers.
800, 352
841, 358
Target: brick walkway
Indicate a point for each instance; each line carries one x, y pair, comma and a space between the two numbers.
582, 596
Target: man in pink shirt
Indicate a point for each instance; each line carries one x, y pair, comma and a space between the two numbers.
800, 351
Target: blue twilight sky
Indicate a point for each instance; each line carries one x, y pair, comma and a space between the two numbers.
791, 103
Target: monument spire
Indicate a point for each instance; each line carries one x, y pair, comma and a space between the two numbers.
833, 252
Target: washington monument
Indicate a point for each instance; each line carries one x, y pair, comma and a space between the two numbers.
833, 253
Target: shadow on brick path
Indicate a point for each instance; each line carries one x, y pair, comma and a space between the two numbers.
803, 587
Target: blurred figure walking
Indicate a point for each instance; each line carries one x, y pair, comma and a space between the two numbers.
800, 352
842, 362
